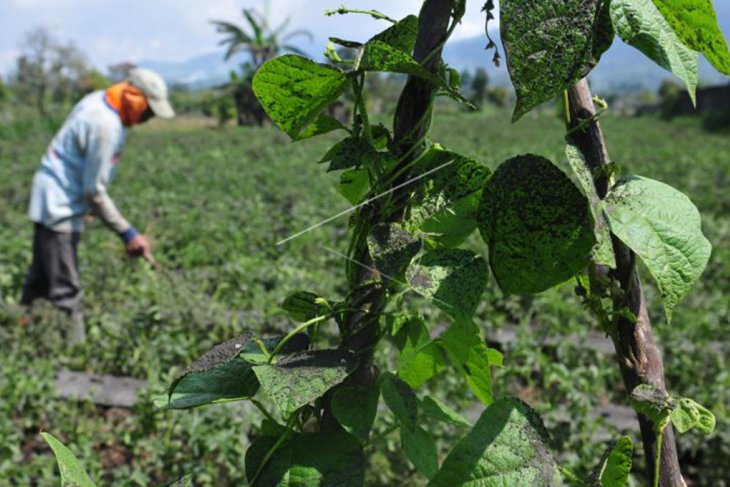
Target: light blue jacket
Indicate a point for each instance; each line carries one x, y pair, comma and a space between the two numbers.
78, 167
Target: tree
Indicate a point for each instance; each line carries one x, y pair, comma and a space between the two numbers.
49, 71
479, 86
261, 43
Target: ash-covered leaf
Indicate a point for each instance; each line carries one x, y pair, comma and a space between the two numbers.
452, 279
507, 446
299, 379
401, 36
378, 56
662, 226
224, 373
652, 403
446, 196
220, 354
603, 250
294, 90
551, 44
537, 224
392, 248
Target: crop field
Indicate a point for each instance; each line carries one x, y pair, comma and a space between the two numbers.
216, 202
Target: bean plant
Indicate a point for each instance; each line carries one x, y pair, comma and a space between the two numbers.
414, 204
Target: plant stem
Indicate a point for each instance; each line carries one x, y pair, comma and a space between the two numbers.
296, 330
658, 457
412, 119
385, 433
284, 436
373, 13
636, 351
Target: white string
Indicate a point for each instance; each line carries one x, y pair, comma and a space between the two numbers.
367, 201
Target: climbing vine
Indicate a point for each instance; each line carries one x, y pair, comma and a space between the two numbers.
415, 202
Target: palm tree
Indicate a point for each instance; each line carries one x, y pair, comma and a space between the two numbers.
262, 43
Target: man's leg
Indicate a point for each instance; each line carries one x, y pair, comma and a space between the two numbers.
60, 264
36, 283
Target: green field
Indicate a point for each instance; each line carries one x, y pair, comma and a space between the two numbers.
216, 201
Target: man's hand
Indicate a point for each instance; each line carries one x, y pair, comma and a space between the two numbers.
138, 246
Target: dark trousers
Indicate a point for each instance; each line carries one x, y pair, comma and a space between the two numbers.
54, 275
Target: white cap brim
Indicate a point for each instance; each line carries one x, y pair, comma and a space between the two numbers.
161, 108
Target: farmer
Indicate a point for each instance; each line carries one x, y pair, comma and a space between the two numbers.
72, 182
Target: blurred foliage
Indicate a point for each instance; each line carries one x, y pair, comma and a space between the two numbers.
215, 203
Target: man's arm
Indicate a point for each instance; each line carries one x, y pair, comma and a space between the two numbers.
100, 144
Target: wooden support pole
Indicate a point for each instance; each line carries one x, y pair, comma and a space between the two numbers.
637, 353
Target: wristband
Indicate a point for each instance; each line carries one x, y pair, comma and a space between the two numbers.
129, 234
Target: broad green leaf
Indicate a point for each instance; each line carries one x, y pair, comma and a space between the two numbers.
662, 226
304, 305
72, 473
420, 449
355, 409
400, 399
218, 376
652, 403
401, 36
640, 24
603, 250
331, 459
537, 225
392, 249
452, 279
615, 466
551, 44
378, 56
507, 446
447, 195
432, 407
354, 185
347, 153
231, 381
467, 351
695, 23
419, 358
321, 125
688, 414
301, 378
224, 373
294, 90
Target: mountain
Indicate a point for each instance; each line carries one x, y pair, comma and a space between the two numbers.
202, 71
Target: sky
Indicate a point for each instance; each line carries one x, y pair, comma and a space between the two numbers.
109, 32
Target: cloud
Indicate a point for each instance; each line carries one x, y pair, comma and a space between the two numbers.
176, 30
